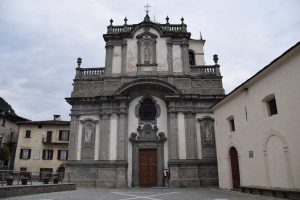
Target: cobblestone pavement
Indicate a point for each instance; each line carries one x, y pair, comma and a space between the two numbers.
145, 194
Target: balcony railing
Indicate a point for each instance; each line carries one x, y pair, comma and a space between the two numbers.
206, 70
46, 140
89, 72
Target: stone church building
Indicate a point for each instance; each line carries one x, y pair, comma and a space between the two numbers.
147, 112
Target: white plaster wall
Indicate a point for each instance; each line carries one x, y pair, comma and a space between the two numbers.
177, 58
131, 57
113, 137
117, 60
79, 137
197, 47
161, 54
181, 136
282, 80
133, 125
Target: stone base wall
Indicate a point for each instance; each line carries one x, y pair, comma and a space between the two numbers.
20, 190
193, 173
111, 174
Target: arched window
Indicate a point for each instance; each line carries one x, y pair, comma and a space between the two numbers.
147, 111
191, 57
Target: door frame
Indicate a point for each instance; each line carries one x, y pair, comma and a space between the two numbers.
231, 168
138, 144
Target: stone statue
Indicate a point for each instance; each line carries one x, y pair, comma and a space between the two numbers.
147, 52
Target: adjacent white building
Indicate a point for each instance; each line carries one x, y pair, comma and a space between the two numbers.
257, 128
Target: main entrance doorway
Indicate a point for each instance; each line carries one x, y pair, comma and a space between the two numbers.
235, 170
148, 167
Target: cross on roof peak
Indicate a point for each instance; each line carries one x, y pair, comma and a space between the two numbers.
147, 6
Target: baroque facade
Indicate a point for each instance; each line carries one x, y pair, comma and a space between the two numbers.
147, 111
257, 130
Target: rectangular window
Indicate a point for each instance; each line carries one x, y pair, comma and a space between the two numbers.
3, 122
64, 135
27, 133
232, 125
47, 154
23, 169
1, 138
272, 107
25, 154
62, 155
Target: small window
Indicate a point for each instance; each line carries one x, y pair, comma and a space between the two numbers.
64, 135
62, 155
272, 107
23, 169
232, 125
1, 138
191, 57
270, 103
3, 122
25, 154
47, 154
27, 133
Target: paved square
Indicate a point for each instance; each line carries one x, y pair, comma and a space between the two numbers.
145, 193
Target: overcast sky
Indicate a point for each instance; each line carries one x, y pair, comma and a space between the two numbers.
40, 41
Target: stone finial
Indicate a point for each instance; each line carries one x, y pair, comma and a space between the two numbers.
216, 59
79, 61
125, 20
182, 19
147, 18
167, 19
111, 21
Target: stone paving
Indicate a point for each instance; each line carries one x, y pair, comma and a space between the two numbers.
145, 194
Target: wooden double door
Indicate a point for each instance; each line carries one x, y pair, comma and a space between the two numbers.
148, 167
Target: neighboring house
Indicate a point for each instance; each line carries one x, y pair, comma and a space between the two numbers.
42, 145
8, 134
147, 111
258, 128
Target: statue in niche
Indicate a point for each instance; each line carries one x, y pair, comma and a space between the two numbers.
207, 134
147, 52
88, 135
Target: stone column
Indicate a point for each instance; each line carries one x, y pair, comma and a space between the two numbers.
122, 133
185, 57
124, 57
108, 58
170, 56
74, 128
104, 137
191, 136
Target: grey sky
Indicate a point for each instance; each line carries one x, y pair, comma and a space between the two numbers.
40, 41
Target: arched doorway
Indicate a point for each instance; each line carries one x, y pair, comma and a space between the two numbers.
235, 170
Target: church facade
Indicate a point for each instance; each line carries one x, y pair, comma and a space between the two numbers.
147, 113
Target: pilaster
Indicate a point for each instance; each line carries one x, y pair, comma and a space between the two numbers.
108, 58
173, 135
74, 128
122, 133
124, 57
191, 142
104, 137
185, 56
170, 56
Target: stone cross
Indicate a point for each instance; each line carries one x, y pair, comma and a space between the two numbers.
147, 6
